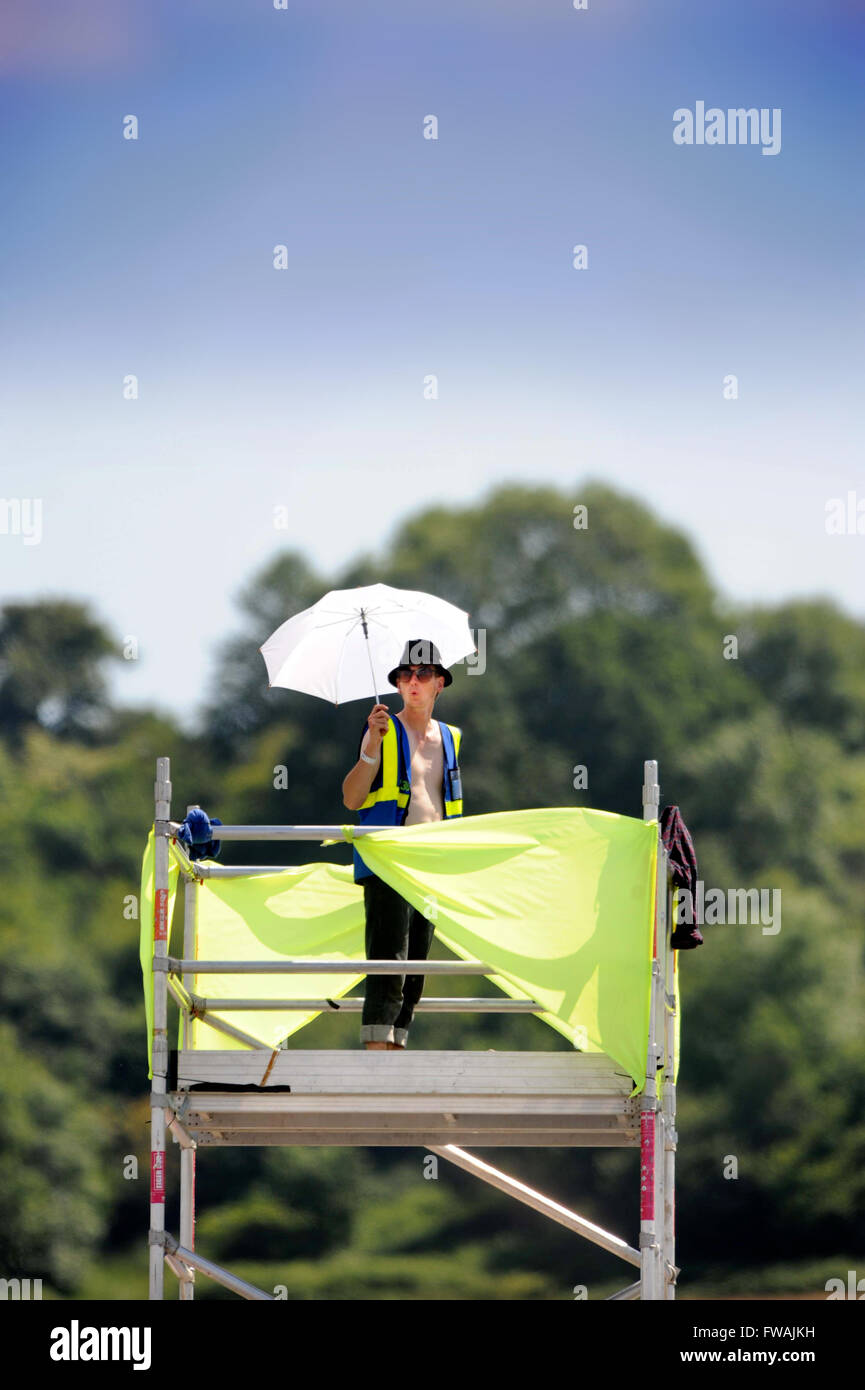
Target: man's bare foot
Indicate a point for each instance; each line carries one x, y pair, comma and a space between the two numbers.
395, 1047
377, 1046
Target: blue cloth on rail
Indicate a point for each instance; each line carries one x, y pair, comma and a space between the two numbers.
196, 835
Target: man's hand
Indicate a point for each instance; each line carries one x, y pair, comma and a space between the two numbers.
355, 788
378, 721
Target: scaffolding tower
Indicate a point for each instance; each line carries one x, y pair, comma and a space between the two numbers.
438, 1100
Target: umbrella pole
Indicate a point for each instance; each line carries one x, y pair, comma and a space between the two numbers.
369, 657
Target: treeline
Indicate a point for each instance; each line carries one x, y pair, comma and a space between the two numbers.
603, 646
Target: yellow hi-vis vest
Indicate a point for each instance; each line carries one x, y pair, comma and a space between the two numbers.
390, 793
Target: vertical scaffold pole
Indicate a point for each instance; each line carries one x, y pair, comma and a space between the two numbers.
669, 1103
162, 795
664, 1130
651, 1129
188, 1155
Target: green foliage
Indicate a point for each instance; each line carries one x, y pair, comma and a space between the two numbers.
51, 1143
50, 659
353, 1275
808, 661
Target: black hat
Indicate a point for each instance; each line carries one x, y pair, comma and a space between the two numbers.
420, 652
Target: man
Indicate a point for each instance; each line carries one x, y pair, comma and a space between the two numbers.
407, 772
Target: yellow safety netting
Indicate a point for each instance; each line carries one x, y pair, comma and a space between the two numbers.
559, 901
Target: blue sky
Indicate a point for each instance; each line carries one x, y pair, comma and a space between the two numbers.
407, 256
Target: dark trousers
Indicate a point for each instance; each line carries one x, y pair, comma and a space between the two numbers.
394, 931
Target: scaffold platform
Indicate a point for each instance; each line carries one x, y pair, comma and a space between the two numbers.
253, 1094
515, 1099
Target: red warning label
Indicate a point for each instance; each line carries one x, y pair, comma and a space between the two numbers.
647, 1166
157, 1176
160, 915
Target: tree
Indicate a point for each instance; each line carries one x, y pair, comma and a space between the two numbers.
51, 654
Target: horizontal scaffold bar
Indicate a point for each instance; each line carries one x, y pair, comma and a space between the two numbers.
285, 832
423, 1137
323, 967
355, 1004
201, 870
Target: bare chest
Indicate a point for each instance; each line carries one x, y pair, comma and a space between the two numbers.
427, 772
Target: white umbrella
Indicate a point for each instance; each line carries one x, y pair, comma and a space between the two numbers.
338, 648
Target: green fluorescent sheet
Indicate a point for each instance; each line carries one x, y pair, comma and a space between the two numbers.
145, 941
559, 901
313, 910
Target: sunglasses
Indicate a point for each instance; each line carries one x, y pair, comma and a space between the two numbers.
423, 673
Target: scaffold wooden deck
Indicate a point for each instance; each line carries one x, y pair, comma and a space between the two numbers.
514, 1099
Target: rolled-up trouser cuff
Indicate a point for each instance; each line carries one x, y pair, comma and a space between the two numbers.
400, 1035
377, 1032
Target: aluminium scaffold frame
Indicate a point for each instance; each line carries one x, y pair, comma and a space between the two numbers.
436, 1100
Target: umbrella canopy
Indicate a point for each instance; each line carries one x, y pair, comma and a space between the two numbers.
342, 648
